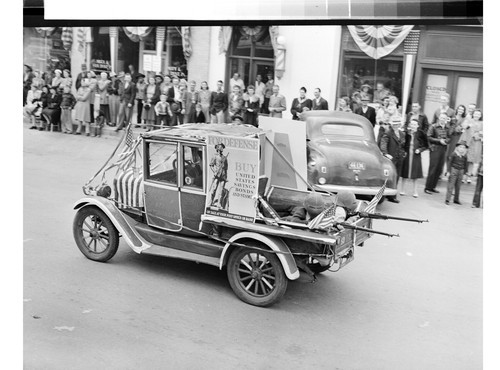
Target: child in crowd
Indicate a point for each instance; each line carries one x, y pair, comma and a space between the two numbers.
68, 101
199, 115
458, 165
163, 114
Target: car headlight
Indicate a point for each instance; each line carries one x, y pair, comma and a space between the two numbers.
322, 181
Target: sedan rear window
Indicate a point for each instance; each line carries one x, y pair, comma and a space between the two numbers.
339, 129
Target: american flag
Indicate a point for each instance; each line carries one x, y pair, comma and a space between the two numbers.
370, 207
325, 219
126, 156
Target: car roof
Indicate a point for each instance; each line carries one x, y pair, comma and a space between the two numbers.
315, 119
200, 131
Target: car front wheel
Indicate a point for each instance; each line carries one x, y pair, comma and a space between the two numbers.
95, 235
256, 277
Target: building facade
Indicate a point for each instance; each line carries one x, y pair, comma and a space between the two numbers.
337, 59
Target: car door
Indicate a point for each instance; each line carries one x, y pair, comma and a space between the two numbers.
161, 185
193, 184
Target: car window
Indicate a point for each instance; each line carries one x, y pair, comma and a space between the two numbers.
339, 130
193, 166
163, 162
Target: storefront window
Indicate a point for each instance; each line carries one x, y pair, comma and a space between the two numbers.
359, 69
45, 52
251, 53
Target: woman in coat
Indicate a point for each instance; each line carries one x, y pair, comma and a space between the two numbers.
52, 112
102, 89
415, 144
300, 103
251, 107
82, 108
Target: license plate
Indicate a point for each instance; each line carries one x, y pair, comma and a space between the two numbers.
357, 166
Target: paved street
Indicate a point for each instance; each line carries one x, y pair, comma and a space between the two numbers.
413, 302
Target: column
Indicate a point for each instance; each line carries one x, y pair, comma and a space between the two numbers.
113, 46
160, 39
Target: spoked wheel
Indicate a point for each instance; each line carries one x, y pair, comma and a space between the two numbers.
256, 277
95, 234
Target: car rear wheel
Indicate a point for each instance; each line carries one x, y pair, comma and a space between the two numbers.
256, 277
95, 235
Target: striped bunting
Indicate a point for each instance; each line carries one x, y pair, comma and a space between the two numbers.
67, 37
378, 41
128, 189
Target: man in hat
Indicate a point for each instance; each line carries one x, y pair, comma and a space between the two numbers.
81, 75
439, 136
218, 165
458, 165
318, 103
392, 145
366, 111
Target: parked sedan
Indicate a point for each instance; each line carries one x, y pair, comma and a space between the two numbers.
342, 154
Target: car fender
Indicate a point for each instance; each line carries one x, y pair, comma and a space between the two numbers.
274, 243
122, 222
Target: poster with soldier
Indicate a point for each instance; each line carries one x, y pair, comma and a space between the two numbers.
233, 177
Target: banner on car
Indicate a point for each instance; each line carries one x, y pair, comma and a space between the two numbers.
233, 177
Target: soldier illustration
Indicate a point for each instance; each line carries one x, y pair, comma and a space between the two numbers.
218, 165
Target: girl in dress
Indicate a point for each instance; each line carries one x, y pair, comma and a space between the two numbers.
82, 108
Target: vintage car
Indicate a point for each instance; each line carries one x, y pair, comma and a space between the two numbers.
342, 154
201, 192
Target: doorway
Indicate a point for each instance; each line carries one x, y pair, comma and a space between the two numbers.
463, 87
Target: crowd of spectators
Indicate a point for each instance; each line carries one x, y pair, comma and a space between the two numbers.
163, 100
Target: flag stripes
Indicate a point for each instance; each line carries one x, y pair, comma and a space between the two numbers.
370, 207
128, 189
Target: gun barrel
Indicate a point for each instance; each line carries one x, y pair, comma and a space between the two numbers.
379, 216
349, 226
